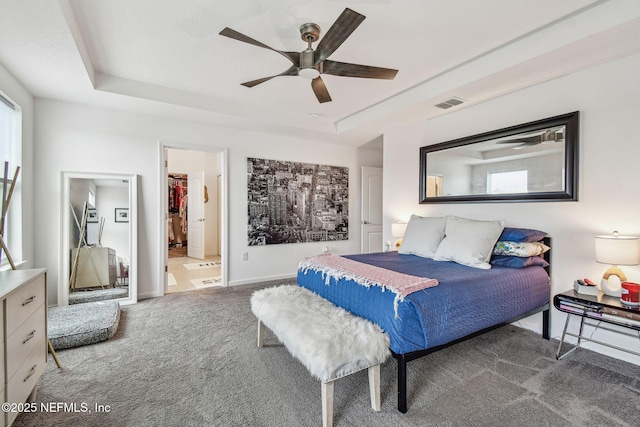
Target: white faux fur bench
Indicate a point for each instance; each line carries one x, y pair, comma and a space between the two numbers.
329, 341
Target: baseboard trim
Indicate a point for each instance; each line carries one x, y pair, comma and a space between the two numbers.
148, 295
255, 282
264, 280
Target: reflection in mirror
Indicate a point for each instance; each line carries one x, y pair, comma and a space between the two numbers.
99, 244
534, 161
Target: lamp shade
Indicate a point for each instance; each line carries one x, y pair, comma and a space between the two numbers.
617, 250
398, 229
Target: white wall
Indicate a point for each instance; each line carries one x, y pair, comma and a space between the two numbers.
115, 235
607, 98
79, 138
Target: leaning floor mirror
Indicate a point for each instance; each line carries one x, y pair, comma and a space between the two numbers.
98, 238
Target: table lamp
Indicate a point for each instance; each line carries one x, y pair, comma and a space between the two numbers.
397, 230
616, 250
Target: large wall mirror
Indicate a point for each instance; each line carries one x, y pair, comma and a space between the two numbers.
98, 238
535, 161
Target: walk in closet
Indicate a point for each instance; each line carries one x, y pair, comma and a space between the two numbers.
177, 221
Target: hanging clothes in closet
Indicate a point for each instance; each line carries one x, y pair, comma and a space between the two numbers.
177, 222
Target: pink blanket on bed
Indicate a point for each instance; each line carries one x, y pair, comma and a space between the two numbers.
337, 267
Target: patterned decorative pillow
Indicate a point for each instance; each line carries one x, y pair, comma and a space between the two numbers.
518, 262
520, 249
511, 234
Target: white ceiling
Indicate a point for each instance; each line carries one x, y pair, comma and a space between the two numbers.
166, 57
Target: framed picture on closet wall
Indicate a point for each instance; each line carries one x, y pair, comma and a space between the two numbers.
92, 215
122, 214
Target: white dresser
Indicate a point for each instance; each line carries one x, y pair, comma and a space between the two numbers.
104, 261
24, 334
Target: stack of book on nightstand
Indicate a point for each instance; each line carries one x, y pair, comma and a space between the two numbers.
585, 287
620, 316
581, 308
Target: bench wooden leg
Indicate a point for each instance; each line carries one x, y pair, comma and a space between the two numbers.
327, 404
260, 334
374, 387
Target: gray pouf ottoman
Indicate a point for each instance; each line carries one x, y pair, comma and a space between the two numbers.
82, 324
80, 297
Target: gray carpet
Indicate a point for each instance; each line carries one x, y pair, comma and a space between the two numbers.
190, 359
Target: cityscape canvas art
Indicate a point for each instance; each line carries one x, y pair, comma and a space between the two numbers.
291, 202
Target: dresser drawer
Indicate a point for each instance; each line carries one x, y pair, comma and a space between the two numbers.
25, 379
29, 335
23, 302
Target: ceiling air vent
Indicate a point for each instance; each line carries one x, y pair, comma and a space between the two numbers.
450, 103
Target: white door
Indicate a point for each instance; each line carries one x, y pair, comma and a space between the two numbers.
195, 215
371, 210
219, 211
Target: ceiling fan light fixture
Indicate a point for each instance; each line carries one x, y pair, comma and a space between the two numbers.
309, 73
307, 69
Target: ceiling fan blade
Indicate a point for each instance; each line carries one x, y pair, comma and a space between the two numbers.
536, 137
344, 69
535, 140
320, 90
294, 57
292, 71
346, 24
531, 140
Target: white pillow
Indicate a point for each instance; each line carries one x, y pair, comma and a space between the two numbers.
422, 236
469, 242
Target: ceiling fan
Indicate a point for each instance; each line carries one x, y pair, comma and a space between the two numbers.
311, 64
535, 138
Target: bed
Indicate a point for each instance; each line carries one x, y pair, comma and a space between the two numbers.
465, 302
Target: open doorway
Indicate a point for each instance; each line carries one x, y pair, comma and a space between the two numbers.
193, 215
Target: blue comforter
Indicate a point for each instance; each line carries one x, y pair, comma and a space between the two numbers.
465, 301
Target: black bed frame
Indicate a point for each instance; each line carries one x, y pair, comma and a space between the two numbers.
404, 358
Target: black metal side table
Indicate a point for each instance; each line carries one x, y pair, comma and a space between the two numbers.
594, 311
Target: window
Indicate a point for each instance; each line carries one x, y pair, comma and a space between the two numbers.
10, 159
91, 198
507, 182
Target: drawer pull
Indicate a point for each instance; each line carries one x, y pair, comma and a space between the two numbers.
31, 372
31, 335
29, 300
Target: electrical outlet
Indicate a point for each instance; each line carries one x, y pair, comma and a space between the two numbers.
245, 256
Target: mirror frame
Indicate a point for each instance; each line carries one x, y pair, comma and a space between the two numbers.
65, 218
570, 193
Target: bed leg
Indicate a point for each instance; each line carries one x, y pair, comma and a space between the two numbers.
545, 324
402, 383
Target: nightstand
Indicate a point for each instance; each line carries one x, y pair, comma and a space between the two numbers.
594, 311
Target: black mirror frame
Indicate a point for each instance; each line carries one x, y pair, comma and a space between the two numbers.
570, 193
